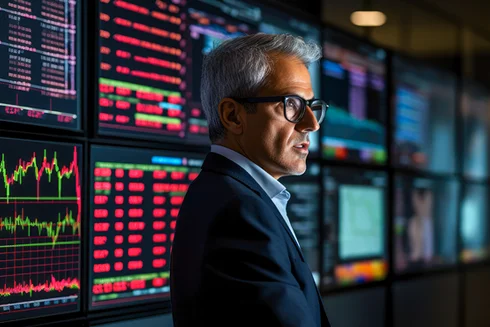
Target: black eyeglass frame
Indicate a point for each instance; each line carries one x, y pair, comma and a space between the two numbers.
284, 98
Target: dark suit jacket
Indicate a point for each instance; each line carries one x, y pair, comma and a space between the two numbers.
234, 260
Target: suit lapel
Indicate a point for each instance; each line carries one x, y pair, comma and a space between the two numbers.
221, 165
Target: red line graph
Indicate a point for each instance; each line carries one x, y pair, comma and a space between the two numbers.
40, 221
48, 286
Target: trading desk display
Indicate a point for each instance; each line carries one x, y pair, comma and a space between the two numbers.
136, 196
354, 76
475, 223
354, 249
303, 211
424, 116
39, 55
151, 57
40, 223
425, 223
475, 109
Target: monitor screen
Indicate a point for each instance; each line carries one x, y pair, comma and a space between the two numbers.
354, 85
151, 58
425, 223
136, 196
424, 117
303, 211
209, 23
475, 223
39, 78
475, 109
354, 226
40, 224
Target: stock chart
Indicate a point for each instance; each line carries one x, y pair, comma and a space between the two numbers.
353, 76
141, 68
424, 114
40, 208
39, 75
354, 248
136, 196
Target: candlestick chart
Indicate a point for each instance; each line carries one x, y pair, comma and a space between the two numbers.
40, 224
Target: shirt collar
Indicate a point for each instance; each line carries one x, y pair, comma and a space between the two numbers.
271, 186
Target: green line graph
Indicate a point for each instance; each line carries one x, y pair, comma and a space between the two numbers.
39, 244
52, 229
50, 169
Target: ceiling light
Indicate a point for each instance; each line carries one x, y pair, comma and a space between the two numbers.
368, 18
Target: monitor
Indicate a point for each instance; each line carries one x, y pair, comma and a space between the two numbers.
40, 52
475, 110
354, 248
136, 195
475, 223
354, 85
303, 211
151, 58
424, 223
150, 61
40, 224
424, 117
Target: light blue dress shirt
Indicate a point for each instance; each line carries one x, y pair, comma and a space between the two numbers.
274, 189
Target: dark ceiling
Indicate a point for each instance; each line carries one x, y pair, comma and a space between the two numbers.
473, 13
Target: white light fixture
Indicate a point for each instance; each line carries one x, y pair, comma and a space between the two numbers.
368, 18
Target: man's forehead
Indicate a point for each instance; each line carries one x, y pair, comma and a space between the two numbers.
289, 75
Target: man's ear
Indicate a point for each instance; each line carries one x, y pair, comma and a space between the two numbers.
231, 115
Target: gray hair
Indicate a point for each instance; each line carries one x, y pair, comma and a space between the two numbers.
239, 67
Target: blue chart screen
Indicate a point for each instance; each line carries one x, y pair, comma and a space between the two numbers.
475, 223
38, 51
425, 109
354, 84
475, 104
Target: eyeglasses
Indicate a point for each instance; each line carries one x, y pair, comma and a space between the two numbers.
294, 106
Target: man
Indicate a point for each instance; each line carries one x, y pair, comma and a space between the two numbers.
235, 258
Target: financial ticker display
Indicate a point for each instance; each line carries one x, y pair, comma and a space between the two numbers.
303, 211
354, 227
425, 223
424, 116
136, 195
353, 82
40, 223
39, 54
151, 57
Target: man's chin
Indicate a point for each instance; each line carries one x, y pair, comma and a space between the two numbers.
298, 170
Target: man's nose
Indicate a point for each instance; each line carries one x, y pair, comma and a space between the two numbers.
309, 123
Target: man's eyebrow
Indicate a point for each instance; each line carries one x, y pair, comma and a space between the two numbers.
287, 91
